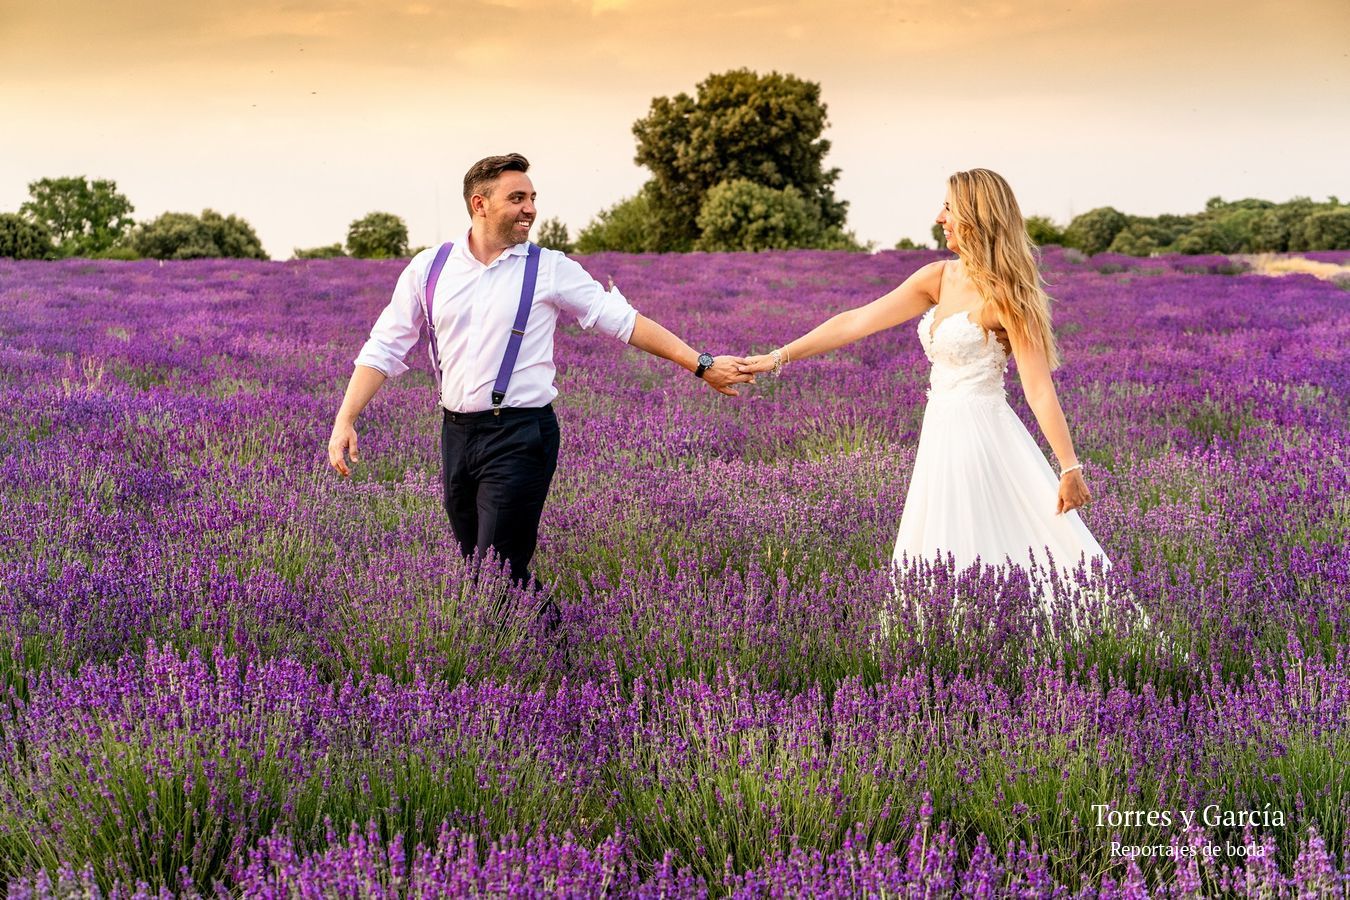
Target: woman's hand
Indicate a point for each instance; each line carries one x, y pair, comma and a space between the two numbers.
1073, 492
754, 364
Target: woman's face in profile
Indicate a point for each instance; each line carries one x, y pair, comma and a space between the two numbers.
948, 222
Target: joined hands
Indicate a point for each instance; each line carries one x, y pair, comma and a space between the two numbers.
753, 364
726, 371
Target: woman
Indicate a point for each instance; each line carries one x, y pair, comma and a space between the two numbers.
981, 488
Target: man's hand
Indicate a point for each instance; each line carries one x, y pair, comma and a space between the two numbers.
343, 439
364, 382
726, 371
1073, 492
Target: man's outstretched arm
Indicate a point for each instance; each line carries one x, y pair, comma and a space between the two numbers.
364, 382
655, 339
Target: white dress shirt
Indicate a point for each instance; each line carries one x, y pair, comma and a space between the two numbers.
473, 312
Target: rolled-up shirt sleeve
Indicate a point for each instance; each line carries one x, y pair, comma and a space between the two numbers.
397, 328
577, 293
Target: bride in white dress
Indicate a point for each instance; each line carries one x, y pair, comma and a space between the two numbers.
981, 488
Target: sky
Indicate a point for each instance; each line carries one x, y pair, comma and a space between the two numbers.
304, 115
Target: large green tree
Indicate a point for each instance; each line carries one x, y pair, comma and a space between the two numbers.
83, 217
177, 235
740, 125
378, 235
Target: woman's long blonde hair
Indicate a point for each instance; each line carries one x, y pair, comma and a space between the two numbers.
1000, 258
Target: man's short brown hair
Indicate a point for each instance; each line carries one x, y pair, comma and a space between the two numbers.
479, 178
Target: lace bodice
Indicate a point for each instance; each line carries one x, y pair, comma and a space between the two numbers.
967, 361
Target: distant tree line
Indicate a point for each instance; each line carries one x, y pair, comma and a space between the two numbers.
1239, 226
1224, 227
74, 216
737, 167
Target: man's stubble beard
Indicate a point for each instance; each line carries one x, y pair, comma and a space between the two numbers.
510, 237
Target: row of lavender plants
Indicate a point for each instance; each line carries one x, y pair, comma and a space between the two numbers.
227, 669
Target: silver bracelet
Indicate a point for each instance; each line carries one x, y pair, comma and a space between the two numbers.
1063, 472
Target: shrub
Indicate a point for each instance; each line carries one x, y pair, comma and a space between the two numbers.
553, 234
177, 235
329, 251
625, 227
23, 239
1093, 231
378, 235
1042, 231
1134, 241
122, 252
742, 215
1223, 235
1328, 229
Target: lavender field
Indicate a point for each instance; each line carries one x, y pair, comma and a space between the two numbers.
226, 669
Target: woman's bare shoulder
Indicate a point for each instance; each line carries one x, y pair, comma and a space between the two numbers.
929, 277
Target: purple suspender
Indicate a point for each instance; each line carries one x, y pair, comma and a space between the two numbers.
517, 330
427, 296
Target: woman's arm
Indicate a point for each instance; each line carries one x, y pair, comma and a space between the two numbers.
914, 295
1033, 369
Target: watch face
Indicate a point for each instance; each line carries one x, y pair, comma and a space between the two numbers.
705, 360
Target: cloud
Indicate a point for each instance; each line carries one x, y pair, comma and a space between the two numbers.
1093, 43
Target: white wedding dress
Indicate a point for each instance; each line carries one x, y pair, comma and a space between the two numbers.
981, 489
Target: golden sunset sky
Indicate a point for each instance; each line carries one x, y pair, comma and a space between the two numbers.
302, 116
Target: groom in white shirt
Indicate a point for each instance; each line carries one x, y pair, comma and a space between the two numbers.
499, 435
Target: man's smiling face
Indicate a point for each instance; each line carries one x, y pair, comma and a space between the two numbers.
509, 209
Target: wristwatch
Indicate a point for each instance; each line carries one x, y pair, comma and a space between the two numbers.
705, 362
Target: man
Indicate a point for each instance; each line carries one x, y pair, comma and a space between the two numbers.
499, 436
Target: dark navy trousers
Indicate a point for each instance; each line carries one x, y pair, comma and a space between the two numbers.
497, 471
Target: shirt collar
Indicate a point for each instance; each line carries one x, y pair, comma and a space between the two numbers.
462, 246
